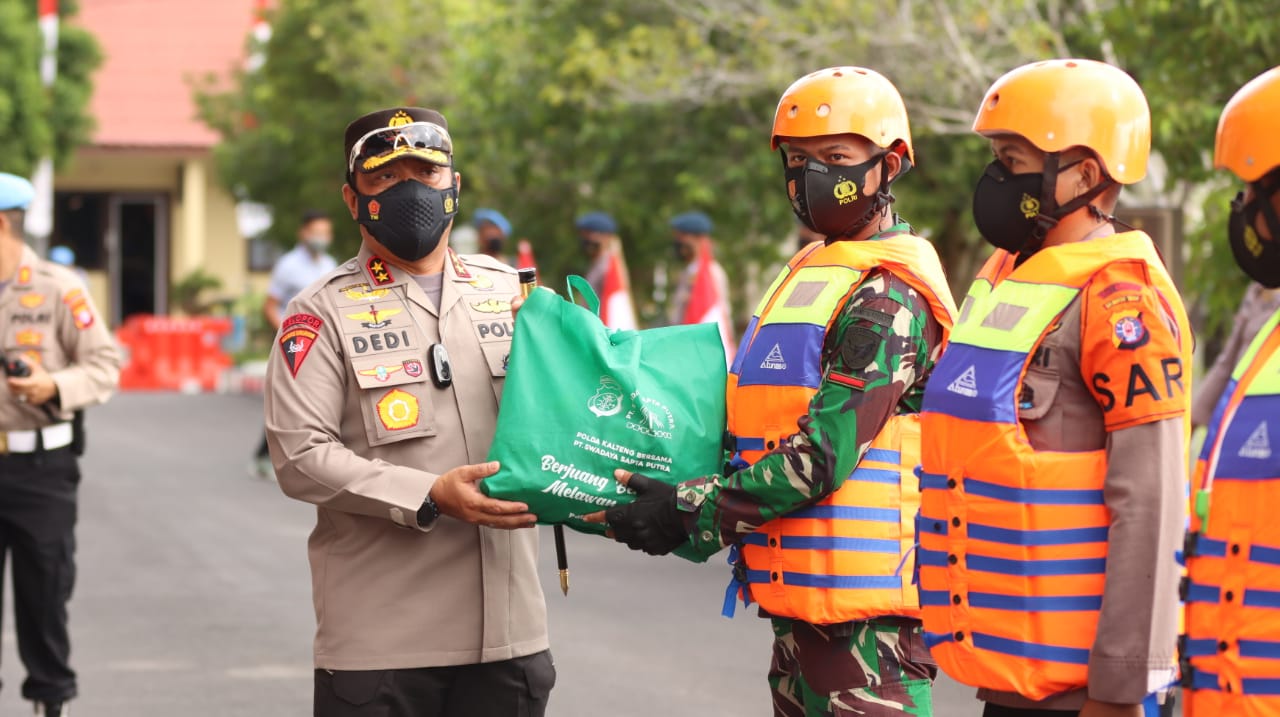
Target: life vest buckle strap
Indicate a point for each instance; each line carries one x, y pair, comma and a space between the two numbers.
1184, 588
1189, 545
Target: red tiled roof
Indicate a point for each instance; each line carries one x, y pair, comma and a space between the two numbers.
142, 94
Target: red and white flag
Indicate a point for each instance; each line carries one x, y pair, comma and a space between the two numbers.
616, 310
707, 302
524, 255
261, 33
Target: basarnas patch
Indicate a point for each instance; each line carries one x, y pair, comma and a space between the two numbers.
297, 336
1127, 330
78, 303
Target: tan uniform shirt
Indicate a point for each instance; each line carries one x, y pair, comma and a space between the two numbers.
357, 427
1144, 490
47, 318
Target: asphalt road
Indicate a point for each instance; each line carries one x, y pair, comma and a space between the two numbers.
193, 595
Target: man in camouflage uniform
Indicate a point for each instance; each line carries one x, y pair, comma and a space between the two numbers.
872, 358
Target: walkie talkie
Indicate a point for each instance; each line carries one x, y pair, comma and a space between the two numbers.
16, 368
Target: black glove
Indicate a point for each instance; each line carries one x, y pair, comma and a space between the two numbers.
652, 523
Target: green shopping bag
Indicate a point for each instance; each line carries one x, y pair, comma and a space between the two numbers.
582, 400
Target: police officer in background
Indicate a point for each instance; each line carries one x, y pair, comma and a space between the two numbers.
381, 403
492, 230
58, 357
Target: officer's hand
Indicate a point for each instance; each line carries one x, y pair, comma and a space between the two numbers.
35, 389
652, 523
456, 495
1094, 708
518, 301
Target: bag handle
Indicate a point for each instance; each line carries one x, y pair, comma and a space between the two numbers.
575, 285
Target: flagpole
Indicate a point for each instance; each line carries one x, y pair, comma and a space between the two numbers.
39, 221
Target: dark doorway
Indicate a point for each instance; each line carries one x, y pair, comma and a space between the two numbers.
140, 235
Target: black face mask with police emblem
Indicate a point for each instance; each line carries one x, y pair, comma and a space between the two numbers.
1005, 206
830, 198
1015, 212
1258, 257
410, 218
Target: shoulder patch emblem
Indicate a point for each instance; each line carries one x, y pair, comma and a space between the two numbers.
1127, 330
79, 305
378, 271
398, 410
297, 336
31, 300
859, 347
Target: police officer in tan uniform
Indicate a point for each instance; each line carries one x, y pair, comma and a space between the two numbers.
382, 400
58, 357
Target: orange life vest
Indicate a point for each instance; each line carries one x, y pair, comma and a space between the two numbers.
1231, 654
1013, 541
843, 558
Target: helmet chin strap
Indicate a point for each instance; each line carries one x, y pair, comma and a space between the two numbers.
1050, 213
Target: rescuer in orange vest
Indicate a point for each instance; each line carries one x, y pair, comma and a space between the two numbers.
823, 396
1053, 473
1231, 656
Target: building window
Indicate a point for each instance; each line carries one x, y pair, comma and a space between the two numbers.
263, 254
80, 222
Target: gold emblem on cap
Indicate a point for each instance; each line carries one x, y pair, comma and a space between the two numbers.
399, 119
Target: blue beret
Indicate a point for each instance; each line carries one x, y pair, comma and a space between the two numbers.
692, 223
15, 192
596, 222
494, 217
63, 255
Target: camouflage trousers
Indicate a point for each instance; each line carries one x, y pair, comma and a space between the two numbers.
874, 668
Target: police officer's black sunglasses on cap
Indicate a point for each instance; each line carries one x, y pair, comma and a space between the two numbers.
386, 144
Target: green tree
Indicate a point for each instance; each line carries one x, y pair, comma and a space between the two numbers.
648, 108
35, 121
325, 64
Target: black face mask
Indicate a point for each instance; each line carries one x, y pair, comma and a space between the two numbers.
590, 247
409, 218
831, 199
1258, 257
493, 247
1015, 212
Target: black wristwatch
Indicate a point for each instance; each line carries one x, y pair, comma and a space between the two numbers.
428, 513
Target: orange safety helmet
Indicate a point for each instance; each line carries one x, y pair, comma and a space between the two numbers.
840, 100
1247, 143
1059, 104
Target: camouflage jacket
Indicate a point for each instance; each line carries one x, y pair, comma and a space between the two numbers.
841, 422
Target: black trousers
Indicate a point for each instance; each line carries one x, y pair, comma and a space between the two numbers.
37, 533
512, 688
262, 451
